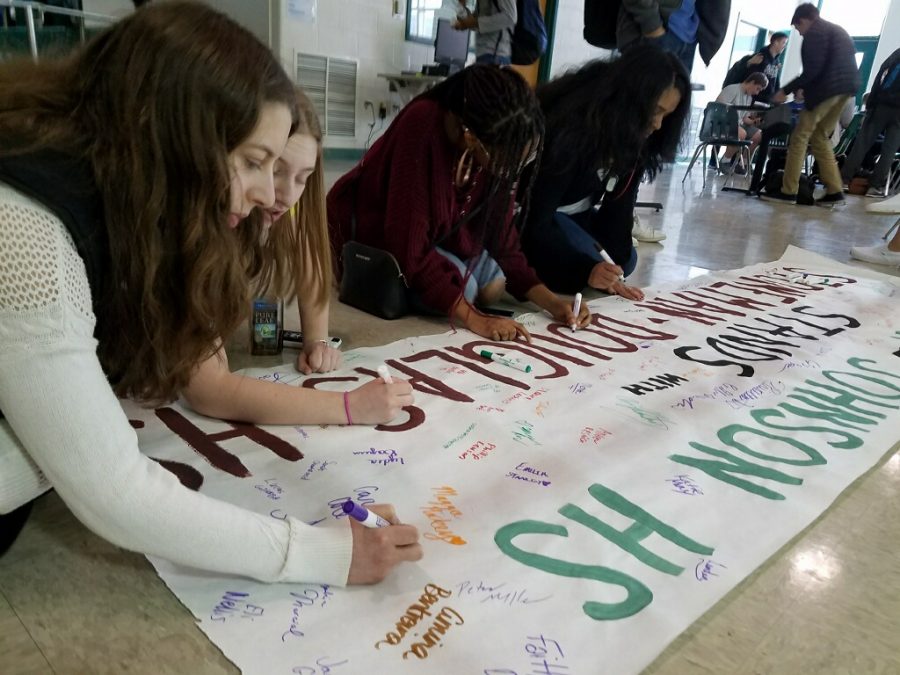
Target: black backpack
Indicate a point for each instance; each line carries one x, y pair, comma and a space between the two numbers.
804, 191
738, 71
600, 20
529, 37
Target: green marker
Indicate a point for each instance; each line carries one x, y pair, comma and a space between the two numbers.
500, 358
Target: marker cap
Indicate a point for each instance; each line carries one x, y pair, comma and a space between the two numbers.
355, 510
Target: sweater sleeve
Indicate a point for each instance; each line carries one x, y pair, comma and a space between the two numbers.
645, 13
520, 277
415, 190
59, 405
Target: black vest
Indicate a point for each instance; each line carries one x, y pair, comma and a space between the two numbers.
66, 187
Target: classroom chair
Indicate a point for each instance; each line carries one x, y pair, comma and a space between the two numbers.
719, 127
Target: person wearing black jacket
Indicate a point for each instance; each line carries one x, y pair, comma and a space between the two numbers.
768, 62
830, 76
605, 130
679, 26
882, 116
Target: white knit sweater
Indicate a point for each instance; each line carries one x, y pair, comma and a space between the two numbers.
65, 429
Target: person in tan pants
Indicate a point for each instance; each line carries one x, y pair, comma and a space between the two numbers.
829, 78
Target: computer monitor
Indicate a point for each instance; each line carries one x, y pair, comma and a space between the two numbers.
451, 46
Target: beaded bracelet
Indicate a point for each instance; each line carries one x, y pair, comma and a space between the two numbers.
347, 407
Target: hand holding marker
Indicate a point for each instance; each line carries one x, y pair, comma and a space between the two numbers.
606, 258
385, 374
363, 515
576, 307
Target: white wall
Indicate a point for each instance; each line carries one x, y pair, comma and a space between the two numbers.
362, 30
116, 8
890, 39
569, 47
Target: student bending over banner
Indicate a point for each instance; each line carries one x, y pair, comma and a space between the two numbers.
607, 128
130, 176
298, 263
436, 191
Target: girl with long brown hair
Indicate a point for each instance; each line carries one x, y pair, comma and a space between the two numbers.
132, 176
298, 265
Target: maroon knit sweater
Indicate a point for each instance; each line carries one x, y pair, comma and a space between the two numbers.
406, 200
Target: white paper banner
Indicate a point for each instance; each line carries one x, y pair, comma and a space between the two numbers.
577, 518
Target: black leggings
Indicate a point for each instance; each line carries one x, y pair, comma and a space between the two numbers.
11, 524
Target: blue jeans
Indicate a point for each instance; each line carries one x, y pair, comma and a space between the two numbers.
484, 270
575, 236
493, 58
683, 50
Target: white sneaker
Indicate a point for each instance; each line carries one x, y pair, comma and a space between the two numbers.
877, 192
645, 233
880, 255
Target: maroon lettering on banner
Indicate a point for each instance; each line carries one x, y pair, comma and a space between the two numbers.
416, 418
729, 299
606, 327
473, 363
628, 329
788, 292
693, 306
186, 474
206, 446
425, 383
681, 310
416, 414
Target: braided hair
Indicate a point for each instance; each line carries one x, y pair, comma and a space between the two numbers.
500, 109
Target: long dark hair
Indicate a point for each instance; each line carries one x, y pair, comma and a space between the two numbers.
155, 104
604, 108
500, 109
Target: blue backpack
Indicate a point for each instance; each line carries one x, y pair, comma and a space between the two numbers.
529, 37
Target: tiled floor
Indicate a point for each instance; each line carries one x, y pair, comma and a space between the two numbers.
828, 602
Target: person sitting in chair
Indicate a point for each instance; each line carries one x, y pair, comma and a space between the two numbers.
742, 95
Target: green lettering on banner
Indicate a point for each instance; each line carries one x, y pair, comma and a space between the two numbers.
724, 471
832, 375
826, 413
727, 436
857, 362
843, 398
761, 417
639, 596
644, 525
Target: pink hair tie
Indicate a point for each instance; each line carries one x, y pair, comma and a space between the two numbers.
347, 407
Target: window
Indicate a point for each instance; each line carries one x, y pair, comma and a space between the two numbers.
860, 17
422, 16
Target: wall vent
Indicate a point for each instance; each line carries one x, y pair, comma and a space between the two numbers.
330, 84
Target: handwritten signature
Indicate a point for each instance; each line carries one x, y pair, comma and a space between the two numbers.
683, 484
706, 569
320, 668
648, 417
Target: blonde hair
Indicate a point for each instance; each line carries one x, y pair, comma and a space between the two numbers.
300, 252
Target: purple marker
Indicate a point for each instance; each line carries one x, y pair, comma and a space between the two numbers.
363, 515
